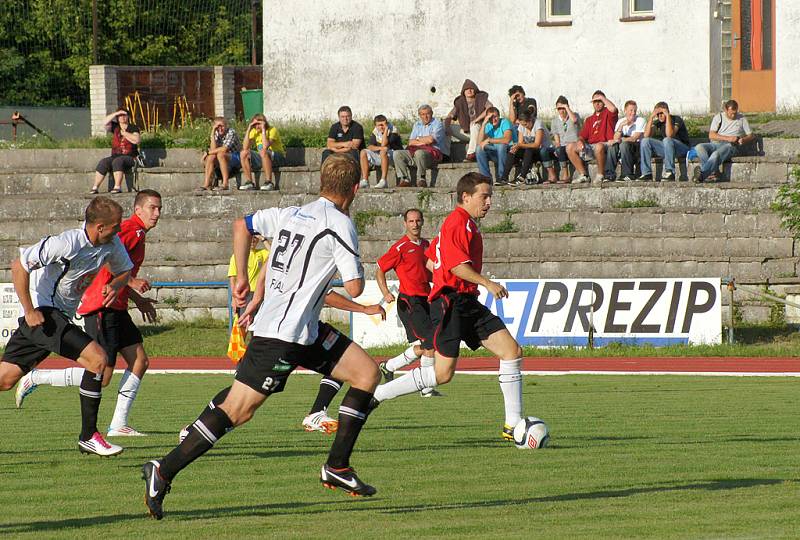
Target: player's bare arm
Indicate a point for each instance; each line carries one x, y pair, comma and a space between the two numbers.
139, 285
467, 273
336, 300
22, 282
380, 277
255, 302
114, 287
241, 251
146, 306
354, 287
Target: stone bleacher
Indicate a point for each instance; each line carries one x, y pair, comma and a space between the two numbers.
725, 229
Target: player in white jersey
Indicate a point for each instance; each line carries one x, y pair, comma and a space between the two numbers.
309, 245
49, 279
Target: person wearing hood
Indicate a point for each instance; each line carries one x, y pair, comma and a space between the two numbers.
469, 110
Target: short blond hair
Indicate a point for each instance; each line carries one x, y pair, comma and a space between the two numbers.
102, 210
338, 175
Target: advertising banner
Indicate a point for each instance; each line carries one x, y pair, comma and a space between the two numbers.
564, 312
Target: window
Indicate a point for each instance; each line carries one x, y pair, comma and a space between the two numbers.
559, 10
555, 13
641, 7
638, 10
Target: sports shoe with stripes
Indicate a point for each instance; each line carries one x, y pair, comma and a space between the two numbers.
155, 488
320, 421
24, 388
345, 479
124, 431
388, 375
99, 446
508, 433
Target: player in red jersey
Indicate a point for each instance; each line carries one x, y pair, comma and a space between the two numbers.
112, 326
456, 314
407, 258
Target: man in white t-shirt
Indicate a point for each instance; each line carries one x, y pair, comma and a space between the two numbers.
729, 131
627, 134
309, 245
50, 278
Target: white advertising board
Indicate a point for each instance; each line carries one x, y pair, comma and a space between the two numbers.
10, 311
560, 312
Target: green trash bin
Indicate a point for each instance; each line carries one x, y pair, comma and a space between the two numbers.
252, 103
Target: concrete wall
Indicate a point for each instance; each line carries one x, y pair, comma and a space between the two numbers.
787, 58
387, 56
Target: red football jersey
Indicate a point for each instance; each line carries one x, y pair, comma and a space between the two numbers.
132, 234
407, 258
459, 241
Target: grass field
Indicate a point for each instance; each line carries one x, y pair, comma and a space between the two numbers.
210, 338
630, 456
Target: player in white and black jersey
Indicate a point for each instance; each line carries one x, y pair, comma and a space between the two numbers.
49, 279
309, 244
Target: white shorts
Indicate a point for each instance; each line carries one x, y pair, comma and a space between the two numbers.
374, 158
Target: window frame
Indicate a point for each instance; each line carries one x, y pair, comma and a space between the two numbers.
630, 15
551, 17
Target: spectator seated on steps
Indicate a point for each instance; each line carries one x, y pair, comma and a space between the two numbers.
728, 133
533, 144
345, 136
469, 110
493, 144
627, 134
665, 135
564, 129
124, 149
223, 155
263, 150
518, 103
383, 142
424, 150
594, 138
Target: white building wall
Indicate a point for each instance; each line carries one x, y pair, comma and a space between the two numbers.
384, 57
787, 55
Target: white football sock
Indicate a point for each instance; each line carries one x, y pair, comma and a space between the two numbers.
511, 384
413, 381
128, 388
58, 377
401, 360
426, 361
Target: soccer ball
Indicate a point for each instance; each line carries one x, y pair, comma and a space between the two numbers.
531, 433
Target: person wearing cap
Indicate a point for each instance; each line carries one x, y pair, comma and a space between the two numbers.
124, 149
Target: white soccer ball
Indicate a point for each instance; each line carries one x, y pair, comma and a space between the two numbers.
531, 433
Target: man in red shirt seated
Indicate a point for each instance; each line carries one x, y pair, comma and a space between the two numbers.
456, 257
598, 130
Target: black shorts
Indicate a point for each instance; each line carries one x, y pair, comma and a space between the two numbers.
29, 346
116, 163
114, 330
460, 317
415, 314
267, 362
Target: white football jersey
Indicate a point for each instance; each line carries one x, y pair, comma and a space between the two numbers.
309, 244
62, 267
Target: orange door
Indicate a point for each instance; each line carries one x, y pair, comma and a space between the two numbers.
753, 54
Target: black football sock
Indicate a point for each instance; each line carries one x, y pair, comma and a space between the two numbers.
352, 415
328, 387
215, 402
90, 392
205, 432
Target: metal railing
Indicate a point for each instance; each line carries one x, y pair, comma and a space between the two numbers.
730, 283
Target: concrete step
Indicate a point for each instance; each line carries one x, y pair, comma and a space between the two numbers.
229, 205
626, 220
85, 159
305, 179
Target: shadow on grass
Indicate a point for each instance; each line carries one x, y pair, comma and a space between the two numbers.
150, 330
293, 508
759, 334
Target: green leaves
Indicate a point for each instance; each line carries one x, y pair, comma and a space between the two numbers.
787, 204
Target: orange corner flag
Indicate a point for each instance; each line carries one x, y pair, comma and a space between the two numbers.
236, 344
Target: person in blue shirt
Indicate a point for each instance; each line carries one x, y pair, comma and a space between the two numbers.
493, 142
424, 150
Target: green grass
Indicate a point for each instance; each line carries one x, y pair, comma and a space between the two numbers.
637, 203
630, 457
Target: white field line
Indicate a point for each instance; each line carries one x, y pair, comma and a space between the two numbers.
574, 372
